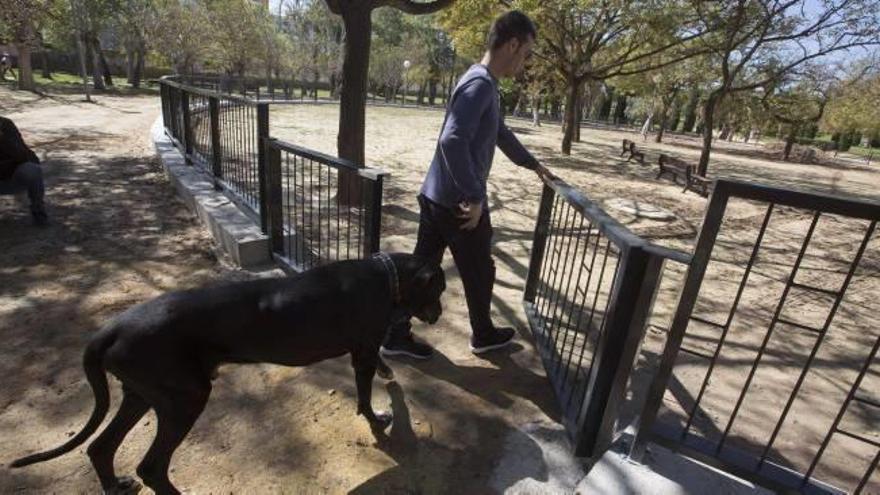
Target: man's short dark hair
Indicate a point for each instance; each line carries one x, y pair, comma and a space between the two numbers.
513, 24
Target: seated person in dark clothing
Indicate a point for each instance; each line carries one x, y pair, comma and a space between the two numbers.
20, 170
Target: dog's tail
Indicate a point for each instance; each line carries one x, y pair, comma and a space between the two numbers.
97, 377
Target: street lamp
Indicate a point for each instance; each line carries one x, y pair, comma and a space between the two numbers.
406, 65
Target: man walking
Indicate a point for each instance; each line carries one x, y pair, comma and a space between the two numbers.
453, 205
20, 170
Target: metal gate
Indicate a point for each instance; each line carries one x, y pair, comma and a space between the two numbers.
769, 370
590, 288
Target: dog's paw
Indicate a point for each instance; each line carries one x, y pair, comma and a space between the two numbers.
124, 486
382, 421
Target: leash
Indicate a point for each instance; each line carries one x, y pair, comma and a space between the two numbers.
391, 270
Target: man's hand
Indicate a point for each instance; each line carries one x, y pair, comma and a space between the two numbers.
542, 171
470, 212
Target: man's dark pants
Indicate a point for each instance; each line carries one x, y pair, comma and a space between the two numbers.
27, 177
439, 228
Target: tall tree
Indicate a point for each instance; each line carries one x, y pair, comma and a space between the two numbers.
357, 19
587, 41
18, 22
757, 42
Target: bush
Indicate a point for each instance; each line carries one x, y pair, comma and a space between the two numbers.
875, 140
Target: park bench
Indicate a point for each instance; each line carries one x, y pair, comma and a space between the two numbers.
630, 147
688, 173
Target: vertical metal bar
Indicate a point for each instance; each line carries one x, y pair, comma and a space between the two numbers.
327, 214
842, 412
552, 269
542, 287
347, 205
311, 211
567, 311
773, 322
868, 474
288, 252
601, 328
539, 243
687, 300
558, 274
832, 312
564, 293
574, 391
361, 212
187, 127
338, 221
635, 288
564, 272
273, 193
216, 146
754, 256
586, 292
302, 233
262, 136
373, 205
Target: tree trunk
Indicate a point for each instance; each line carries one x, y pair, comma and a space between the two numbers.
432, 91
708, 125
82, 67
676, 117
25, 71
355, 68
129, 62
105, 69
789, 143
138, 66
570, 116
420, 99
579, 112
44, 57
315, 80
663, 122
97, 80
536, 110
690, 112
620, 110
664, 114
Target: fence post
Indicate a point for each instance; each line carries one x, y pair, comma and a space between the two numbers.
216, 146
274, 197
262, 135
187, 127
617, 349
686, 300
173, 109
372, 214
163, 95
539, 243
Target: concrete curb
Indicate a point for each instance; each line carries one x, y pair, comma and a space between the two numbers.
234, 232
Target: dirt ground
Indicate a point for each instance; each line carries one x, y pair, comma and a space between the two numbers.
402, 141
120, 236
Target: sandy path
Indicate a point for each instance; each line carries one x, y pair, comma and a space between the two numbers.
119, 237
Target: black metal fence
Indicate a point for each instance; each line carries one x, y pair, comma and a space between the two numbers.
590, 288
315, 208
260, 89
322, 208
761, 375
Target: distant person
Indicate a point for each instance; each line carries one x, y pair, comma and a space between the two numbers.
454, 209
20, 170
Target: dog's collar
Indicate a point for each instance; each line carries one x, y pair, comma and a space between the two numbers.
391, 270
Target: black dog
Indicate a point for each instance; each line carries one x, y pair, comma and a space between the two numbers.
165, 351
